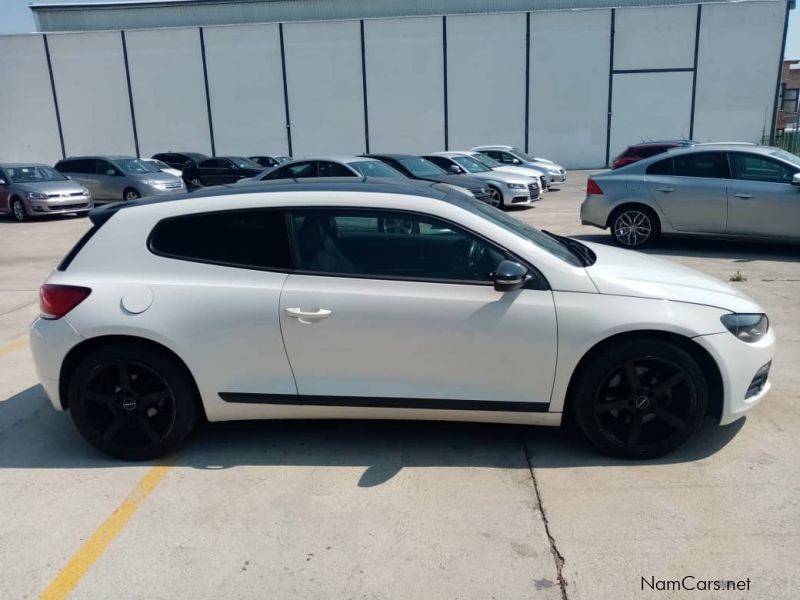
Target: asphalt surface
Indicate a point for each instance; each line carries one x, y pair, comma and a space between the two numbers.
399, 510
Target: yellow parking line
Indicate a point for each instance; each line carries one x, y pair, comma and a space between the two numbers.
14, 345
93, 548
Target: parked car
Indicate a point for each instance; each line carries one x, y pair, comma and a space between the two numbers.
265, 161
180, 160
733, 190
112, 178
220, 170
285, 300
542, 176
508, 155
506, 189
329, 166
415, 167
28, 189
283, 159
637, 152
163, 167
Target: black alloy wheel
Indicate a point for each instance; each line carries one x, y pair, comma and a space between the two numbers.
642, 400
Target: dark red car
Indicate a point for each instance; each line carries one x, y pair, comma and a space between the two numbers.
637, 152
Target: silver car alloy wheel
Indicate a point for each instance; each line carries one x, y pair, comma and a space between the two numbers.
18, 208
132, 195
497, 198
633, 228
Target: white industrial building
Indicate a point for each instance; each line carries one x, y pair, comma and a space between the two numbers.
573, 80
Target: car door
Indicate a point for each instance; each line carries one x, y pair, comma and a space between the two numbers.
690, 190
110, 181
761, 198
410, 314
207, 171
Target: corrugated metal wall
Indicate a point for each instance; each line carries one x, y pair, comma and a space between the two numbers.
575, 86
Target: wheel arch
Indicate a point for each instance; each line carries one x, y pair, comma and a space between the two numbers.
639, 204
81, 350
704, 360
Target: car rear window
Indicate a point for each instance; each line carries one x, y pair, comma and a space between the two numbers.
250, 239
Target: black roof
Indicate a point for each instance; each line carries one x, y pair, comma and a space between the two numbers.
412, 187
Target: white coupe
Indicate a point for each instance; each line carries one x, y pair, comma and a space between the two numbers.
327, 299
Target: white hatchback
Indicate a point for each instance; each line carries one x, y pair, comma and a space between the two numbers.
324, 299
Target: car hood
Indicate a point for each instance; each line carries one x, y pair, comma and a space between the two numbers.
50, 187
524, 171
463, 181
503, 177
158, 176
627, 273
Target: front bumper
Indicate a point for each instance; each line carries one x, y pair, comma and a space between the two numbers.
560, 177
519, 197
51, 340
738, 364
52, 206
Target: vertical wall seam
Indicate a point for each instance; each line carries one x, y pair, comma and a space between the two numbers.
208, 95
285, 91
610, 87
364, 88
774, 124
444, 55
130, 91
55, 96
694, 69
527, 76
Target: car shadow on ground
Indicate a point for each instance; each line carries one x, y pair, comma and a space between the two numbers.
738, 251
34, 436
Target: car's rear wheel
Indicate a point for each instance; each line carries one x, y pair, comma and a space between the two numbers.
18, 210
496, 198
640, 399
635, 226
131, 194
132, 401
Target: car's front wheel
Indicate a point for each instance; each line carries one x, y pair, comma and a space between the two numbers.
640, 398
18, 210
132, 401
131, 194
635, 226
496, 197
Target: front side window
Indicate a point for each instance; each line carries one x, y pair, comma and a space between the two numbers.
470, 165
752, 167
440, 161
389, 245
211, 163
33, 173
701, 164
332, 169
243, 163
250, 239
294, 171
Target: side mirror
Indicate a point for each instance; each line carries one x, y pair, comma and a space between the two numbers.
112, 172
796, 179
509, 276
455, 169
516, 161
2, 181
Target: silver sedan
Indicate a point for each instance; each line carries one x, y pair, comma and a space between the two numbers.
718, 190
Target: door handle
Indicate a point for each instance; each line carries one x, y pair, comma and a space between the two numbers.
665, 190
308, 316
743, 196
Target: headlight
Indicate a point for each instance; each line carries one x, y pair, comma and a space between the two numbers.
85, 191
158, 184
517, 186
37, 196
747, 327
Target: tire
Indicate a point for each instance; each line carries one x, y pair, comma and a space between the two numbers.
635, 226
497, 198
151, 419
131, 194
640, 398
196, 183
18, 211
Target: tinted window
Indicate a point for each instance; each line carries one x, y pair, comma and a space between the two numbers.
701, 164
211, 163
294, 171
389, 244
375, 168
254, 239
648, 151
440, 161
102, 167
753, 167
662, 167
332, 169
80, 165
419, 167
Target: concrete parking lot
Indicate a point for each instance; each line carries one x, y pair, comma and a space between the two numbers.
399, 510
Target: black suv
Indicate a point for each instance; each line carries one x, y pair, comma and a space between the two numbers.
220, 170
180, 160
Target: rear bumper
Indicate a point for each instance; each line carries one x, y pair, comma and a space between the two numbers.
50, 341
595, 210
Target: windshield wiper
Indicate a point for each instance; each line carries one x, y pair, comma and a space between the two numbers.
584, 254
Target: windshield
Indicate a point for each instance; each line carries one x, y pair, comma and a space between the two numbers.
787, 156
195, 156
485, 160
470, 164
33, 173
420, 167
525, 231
375, 168
245, 163
135, 166
159, 164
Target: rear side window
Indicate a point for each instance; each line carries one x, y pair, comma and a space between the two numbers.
250, 239
701, 164
662, 167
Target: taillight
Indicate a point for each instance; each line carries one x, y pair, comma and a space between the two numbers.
592, 187
57, 300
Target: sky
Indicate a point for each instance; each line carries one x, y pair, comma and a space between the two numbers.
16, 17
